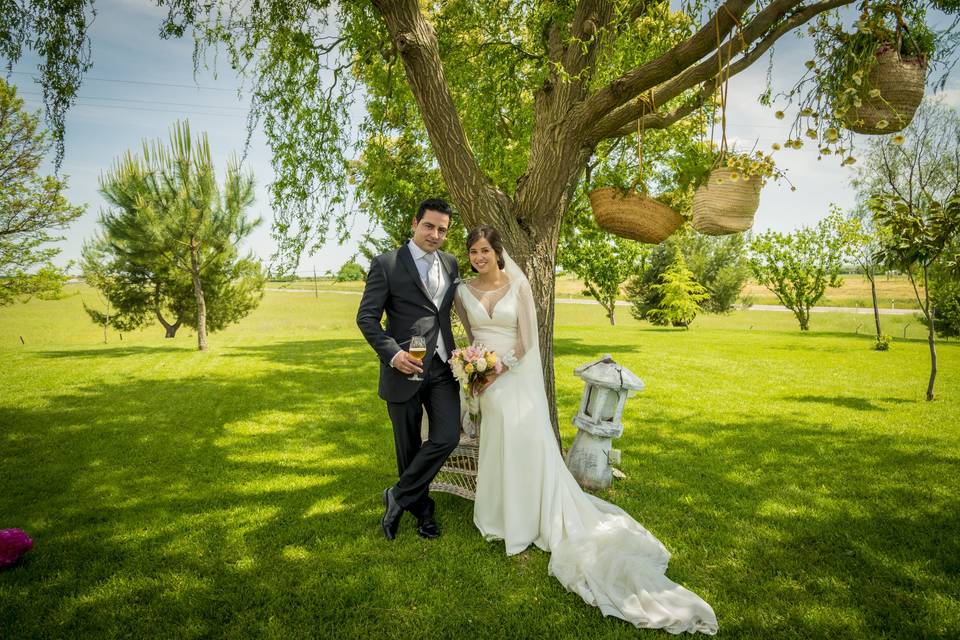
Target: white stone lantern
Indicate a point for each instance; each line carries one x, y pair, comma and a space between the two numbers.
599, 420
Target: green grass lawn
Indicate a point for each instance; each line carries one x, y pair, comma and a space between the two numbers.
804, 487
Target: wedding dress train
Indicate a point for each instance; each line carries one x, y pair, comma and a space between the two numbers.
525, 494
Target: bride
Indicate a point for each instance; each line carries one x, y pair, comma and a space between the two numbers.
525, 494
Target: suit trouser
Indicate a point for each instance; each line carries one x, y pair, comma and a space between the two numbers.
418, 463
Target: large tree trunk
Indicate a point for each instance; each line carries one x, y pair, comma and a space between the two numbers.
201, 303
530, 220
536, 256
930, 312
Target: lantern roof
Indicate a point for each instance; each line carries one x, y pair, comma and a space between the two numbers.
607, 373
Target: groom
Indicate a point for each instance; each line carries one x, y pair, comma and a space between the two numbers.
414, 285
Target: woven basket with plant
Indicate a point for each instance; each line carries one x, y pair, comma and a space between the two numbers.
728, 196
874, 76
869, 79
632, 213
889, 96
725, 203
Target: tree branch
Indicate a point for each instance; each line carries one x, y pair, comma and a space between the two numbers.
416, 42
670, 64
511, 45
623, 120
589, 19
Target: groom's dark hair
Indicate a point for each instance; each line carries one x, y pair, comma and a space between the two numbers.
434, 204
492, 236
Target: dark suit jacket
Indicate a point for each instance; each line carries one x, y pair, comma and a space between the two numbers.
394, 286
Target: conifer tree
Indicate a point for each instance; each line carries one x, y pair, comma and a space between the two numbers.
171, 220
680, 295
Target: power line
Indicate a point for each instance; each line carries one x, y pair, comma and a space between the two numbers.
171, 104
145, 82
191, 86
128, 108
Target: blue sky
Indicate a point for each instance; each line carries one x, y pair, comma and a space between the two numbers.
140, 85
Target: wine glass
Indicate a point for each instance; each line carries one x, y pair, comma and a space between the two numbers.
418, 349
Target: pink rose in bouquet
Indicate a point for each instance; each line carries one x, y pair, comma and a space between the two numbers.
13, 544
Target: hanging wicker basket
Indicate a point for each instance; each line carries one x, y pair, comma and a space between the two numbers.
633, 215
901, 84
723, 206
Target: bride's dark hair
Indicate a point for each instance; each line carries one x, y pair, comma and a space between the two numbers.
492, 236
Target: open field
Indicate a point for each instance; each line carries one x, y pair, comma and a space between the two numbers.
892, 291
804, 487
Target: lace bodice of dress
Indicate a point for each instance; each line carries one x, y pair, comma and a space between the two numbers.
490, 317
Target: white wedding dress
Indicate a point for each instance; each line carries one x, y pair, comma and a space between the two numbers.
525, 494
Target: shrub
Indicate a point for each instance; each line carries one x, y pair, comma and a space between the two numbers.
351, 271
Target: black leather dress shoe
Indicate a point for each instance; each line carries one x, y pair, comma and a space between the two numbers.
390, 521
428, 527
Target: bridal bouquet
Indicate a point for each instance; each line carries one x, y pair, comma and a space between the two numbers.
472, 367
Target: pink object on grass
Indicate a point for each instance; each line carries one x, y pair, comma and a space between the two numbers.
13, 544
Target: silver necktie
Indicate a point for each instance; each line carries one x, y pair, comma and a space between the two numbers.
433, 279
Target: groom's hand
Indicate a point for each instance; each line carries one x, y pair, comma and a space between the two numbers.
406, 363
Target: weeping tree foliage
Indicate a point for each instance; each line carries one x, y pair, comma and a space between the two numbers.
515, 98
32, 205
56, 31
390, 179
172, 225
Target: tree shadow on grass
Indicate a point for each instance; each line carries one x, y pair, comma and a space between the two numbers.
832, 531
848, 402
574, 347
245, 504
319, 355
243, 501
189, 497
116, 351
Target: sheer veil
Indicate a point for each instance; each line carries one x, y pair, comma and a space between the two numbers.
527, 349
